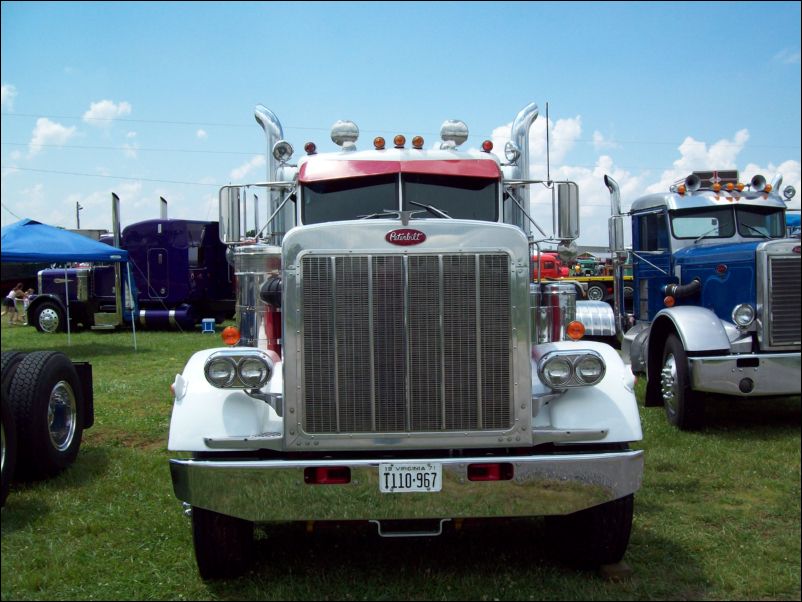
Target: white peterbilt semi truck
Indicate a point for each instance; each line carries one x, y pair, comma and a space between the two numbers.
395, 362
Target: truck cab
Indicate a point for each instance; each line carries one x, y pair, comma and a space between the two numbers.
395, 362
716, 293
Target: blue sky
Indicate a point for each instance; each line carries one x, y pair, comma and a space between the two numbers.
156, 99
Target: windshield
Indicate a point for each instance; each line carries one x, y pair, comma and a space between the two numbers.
459, 197
709, 222
346, 199
760, 222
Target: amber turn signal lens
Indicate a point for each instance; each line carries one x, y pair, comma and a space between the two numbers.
417, 142
230, 335
575, 330
669, 301
378, 143
716, 187
399, 141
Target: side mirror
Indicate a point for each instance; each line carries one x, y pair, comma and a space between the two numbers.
616, 228
567, 211
230, 218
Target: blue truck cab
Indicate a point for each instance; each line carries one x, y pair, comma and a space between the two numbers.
716, 293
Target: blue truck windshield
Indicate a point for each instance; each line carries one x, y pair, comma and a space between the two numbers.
347, 199
750, 221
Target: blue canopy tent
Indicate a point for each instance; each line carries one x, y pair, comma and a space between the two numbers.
31, 241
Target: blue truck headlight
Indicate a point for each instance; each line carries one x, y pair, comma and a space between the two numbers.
238, 369
743, 315
563, 369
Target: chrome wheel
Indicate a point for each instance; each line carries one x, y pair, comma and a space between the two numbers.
62, 412
669, 384
49, 320
595, 293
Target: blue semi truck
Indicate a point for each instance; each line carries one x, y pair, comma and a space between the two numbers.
716, 292
179, 275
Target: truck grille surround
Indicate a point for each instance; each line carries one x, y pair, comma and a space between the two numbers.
783, 316
393, 343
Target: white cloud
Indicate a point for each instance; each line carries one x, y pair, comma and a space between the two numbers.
201, 134
600, 142
788, 56
9, 93
238, 173
102, 113
131, 135
48, 132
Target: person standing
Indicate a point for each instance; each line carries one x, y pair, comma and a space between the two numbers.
10, 303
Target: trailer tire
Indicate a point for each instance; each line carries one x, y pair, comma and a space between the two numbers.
595, 536
596, 292
47, 400
684, 407
8, 365
49, 317
8, 460
223, 544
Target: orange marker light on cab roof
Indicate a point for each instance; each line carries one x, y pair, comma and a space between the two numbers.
575, 330
717, 187
230, 335
417, 142
730, 186
740, 186
399, 141
487, 146
681, 189
767, 188
378, 143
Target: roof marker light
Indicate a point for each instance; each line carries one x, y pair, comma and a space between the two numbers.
378, 143
487, 146
310, 148
417, 142
716, 187
399, 141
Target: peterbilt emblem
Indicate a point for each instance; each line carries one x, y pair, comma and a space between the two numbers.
405, 237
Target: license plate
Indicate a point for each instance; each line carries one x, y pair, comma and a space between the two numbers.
410, 477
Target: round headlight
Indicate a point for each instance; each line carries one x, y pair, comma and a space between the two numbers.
557, 371
254, 372
590, 369
743, 315
221, 371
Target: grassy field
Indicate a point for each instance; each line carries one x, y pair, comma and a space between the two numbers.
717, 518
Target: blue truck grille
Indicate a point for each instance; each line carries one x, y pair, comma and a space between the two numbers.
784, 296
417, 343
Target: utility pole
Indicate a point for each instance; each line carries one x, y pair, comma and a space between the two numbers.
78, 208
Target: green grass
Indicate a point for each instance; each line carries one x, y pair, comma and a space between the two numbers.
717, 518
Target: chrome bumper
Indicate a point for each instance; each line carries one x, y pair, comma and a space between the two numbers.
274, 490
774, 374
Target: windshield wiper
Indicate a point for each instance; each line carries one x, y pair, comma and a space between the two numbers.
433, 210
713, 229
753, 229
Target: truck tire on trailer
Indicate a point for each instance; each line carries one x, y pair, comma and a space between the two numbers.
48, 317
8, 445
46, 397
684, 407
596, 292
223, 544
8, 365
595, 536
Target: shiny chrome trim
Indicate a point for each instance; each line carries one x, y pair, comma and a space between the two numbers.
776, 374
549, 484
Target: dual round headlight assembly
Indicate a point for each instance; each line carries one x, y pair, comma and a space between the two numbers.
563, 369
238, 370
743, 315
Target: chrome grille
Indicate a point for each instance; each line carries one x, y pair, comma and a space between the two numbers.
784, 295
406, 343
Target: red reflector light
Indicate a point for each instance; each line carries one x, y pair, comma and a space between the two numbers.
499, 471
327, 475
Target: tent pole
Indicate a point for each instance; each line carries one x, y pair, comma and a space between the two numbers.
67, 297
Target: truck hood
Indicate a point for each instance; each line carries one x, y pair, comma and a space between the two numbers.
723, 252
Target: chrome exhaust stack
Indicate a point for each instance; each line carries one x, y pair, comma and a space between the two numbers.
273, 134
618, 250
519, 136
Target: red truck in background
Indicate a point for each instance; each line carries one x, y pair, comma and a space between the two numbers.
550, 266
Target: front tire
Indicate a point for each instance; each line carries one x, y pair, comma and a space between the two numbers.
684, 407
49, 317
595, 536
223, 544
47, 400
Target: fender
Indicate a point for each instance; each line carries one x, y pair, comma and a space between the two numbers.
47, 297
699, 328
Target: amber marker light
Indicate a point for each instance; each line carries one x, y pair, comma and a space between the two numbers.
681, 189
740, 186
669, 301
417, 142
730, 186
378, 143
717, 187
399, 141
230, 335
575, 330
767, 188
